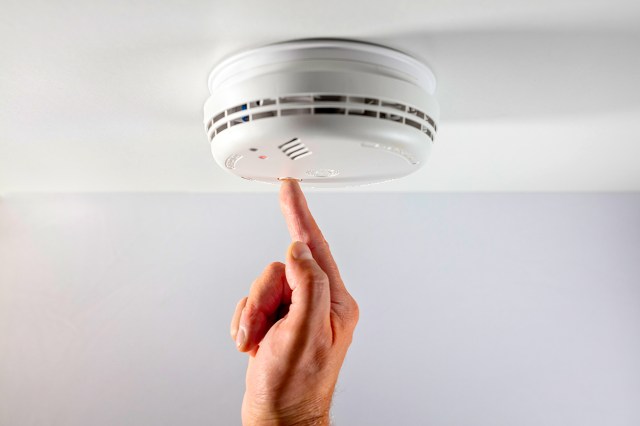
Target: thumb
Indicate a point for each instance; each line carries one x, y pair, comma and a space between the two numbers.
310, 297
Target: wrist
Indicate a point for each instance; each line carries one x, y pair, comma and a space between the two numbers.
315, 413
322, 420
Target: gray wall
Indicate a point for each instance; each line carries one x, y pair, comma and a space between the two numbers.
483, 309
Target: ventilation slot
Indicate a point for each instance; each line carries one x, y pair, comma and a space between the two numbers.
237, 121
218, 117
221, 128
366, 101
364, 112
392, 117
290, 144
330, 104
433, 124
262, 102
329, 98
421, 115
266, 114
294, 149
428, 132
341, 111
417, 113
393, 105
296, 111
236, 109
300, 155
413, 123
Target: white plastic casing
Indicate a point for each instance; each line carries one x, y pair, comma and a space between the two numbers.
327, 112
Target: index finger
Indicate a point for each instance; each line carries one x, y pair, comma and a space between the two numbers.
303, 227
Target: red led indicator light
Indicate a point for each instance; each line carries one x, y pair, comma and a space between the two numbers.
262, 157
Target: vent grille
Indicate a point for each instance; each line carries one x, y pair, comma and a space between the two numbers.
320, 104
294, 149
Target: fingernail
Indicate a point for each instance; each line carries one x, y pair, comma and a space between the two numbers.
301, 251
240, 337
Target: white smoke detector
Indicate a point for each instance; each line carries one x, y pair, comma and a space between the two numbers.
327, 112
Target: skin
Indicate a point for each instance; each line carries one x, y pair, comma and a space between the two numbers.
296, 325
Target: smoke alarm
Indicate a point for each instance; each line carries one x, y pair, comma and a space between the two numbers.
326, 112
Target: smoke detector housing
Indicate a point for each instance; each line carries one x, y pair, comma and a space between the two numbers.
329, 113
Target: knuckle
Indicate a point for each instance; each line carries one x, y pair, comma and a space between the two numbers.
314, 279
313, 274
350, 313
354, 308
320, 244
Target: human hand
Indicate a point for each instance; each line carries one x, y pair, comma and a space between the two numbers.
296, 325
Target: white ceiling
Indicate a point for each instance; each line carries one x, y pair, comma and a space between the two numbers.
107, 95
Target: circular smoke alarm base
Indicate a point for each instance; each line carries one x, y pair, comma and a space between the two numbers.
327, 112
